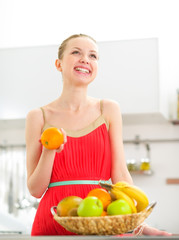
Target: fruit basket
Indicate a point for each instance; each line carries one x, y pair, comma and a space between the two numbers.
105, 225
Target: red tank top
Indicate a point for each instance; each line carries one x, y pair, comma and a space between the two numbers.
86, 156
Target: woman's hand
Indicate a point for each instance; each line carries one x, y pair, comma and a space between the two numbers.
64, 141
62, 145
144, 229
155, 232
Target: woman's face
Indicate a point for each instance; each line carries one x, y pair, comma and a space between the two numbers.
80, 61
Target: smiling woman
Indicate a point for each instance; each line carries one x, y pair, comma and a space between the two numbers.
86, 147
92, 149
83, 59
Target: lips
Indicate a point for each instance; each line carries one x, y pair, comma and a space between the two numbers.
82, 69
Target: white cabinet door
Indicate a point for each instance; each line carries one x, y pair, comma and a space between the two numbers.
128, 73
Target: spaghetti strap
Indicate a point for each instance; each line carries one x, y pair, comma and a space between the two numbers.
43, 112
101, 106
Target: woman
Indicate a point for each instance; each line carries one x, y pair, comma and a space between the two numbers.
92, 129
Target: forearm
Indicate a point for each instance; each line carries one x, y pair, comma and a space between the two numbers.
121, 175
39, 180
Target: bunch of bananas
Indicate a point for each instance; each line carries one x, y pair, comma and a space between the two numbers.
136, 198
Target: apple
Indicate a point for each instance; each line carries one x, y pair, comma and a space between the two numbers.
119, 207
68, 206
90, 207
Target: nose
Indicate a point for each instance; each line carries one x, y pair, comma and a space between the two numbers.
84, 59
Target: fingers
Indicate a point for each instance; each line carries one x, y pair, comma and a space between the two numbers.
60, 148
64, 135
155, 232
164, 233
64, 141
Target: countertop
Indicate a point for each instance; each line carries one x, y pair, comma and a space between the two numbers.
81, 237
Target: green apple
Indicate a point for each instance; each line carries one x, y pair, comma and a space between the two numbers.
119, 207
90, 207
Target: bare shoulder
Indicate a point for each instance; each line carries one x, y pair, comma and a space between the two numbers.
111, 110
34, 114
109, 103
35, 117
110, 106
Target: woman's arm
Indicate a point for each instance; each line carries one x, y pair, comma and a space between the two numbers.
39, 161
119, 170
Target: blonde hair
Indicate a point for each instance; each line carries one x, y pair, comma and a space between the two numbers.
62, 47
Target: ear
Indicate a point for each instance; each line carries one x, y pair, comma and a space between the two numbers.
58, 65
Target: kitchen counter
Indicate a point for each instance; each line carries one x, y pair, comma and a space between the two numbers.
81, 237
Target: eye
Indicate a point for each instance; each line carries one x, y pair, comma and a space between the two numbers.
75, 52
93, 56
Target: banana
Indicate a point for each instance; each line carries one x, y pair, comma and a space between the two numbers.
119, 195
132, 192
135, 193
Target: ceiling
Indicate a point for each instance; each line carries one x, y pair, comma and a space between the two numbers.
48, 22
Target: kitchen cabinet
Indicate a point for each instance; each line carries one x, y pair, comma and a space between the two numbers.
172, 180
128, 73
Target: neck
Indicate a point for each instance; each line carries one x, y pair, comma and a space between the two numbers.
73, 99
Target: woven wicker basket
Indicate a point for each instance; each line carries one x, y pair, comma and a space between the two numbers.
106, 225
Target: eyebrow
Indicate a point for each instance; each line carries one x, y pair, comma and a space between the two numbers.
81, 49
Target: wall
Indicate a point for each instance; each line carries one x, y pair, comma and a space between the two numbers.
165, 164
164, 160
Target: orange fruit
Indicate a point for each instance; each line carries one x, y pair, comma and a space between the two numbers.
102, 195
52, 138
104, 213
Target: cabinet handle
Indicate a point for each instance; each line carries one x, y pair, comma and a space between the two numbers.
172, 180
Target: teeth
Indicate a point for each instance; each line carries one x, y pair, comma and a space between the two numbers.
82, 70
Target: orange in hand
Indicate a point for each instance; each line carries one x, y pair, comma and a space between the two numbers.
52, 138
102, 195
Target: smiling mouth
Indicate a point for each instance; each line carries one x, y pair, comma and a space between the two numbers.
83, 70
